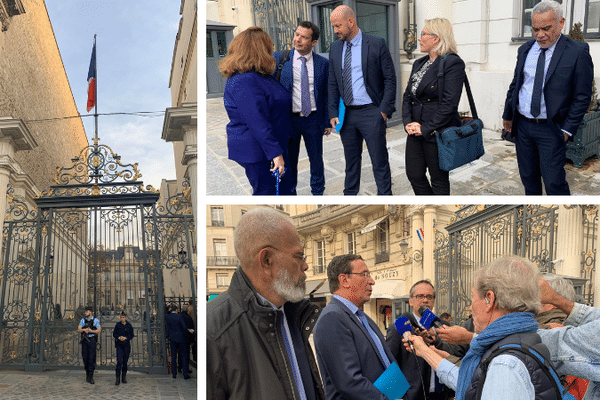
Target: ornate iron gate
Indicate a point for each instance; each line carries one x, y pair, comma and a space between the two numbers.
481, 234
280, 18
98, 238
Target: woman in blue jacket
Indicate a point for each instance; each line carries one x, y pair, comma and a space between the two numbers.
259, 110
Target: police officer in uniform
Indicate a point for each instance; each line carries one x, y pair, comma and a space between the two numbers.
123, 333
90, 328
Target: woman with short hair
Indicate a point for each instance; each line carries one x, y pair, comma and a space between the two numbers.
259, 110
424, 113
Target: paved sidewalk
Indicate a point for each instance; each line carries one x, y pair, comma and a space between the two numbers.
71, 384
496, 173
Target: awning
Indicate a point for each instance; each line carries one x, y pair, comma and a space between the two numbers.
372, 225
314, 286
388, 289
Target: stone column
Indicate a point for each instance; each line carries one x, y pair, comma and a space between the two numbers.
14, 136
430, 214
570, 225
416, 214
190, 158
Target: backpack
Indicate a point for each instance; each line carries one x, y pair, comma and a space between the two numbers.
283, 58
543, 363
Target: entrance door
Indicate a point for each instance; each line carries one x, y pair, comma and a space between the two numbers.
216, 49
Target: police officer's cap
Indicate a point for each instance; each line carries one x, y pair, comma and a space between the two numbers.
88, 308
123, 314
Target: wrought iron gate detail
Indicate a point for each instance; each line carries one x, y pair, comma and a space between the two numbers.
99, 238
280, 18
480, 234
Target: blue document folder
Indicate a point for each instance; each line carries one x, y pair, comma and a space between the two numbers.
392, 382
338, 127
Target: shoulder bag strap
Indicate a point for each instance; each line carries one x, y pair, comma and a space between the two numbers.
466, 84
284, 57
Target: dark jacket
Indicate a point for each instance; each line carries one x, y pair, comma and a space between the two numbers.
176, 328
544, 387
424, 106
123, 330
245, 353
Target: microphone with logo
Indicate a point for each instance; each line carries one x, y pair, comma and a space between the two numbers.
404, 328
429, 319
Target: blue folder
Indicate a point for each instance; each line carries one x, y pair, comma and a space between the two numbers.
392, 382
338, 127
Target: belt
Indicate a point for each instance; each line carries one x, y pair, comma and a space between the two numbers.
359, 107
299, 114
534, 120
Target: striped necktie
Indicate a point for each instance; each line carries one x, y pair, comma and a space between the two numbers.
347, 75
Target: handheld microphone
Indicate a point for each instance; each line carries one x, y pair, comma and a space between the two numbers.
428, 318
404, 327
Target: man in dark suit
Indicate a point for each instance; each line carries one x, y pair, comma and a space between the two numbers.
351, 350
368, 88
176, 331
547, 99
305, 75
416, 370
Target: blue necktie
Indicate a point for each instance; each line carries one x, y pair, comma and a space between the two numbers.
347, 75
538, 83
363, 318
304, 89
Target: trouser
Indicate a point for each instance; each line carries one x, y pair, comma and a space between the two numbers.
307, 128
88, 352
262, 180
179, 348
422, 157
123, 351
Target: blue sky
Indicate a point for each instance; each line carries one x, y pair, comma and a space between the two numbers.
135, 41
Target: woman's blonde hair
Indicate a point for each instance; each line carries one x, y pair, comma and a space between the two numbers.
250, 50
441, 28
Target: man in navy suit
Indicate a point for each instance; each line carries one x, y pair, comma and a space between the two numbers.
176, 330
368, 88
304, 75
351, 350
547, 99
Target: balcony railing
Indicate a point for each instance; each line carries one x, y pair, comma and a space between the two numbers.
222, 261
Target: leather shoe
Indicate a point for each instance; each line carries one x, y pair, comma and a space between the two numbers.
187, 377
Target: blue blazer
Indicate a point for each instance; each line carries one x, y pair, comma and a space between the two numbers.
567, 88
175, 328
378, 72
259, 111
321, 71
348, 359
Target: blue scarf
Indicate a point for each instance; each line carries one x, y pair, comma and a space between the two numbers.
504, 326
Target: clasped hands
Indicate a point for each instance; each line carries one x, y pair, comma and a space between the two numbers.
414, 128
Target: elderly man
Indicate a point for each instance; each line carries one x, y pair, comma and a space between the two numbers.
257, 331
350, 348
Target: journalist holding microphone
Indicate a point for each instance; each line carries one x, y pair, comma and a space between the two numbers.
505, 297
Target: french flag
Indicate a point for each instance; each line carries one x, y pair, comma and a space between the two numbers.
91, 102
420, 234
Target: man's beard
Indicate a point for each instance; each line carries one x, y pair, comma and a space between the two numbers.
285, 286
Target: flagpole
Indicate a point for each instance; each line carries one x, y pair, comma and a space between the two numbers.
96, 97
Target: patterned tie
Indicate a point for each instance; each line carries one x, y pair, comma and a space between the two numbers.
363, 318
347, 75
304, 89
538, 83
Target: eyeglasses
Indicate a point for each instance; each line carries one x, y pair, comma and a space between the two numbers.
365, 274
427, 34
299, 256
423, 296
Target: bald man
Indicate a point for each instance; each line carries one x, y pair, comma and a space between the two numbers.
361, 72
257, 331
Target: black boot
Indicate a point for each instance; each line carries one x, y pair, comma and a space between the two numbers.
87, 376
118, 379
123, 377
91, 378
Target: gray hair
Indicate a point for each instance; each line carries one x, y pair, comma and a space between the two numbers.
257, 229
427, 281
548, 5
514, 281
562, 286
339, 265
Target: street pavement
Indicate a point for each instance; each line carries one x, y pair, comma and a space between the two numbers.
496, 173
71, 384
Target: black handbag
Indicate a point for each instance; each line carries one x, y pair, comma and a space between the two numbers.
460, 145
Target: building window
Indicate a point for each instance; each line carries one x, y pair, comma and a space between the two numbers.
592, 18
383, 246
222, 280
328, 36
352, 243
217, 216
320, 261
117, 275
220, 249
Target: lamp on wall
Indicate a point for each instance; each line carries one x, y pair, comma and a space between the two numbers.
415, 255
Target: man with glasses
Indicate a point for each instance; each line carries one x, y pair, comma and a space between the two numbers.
416, 370
351, 350
257, 331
